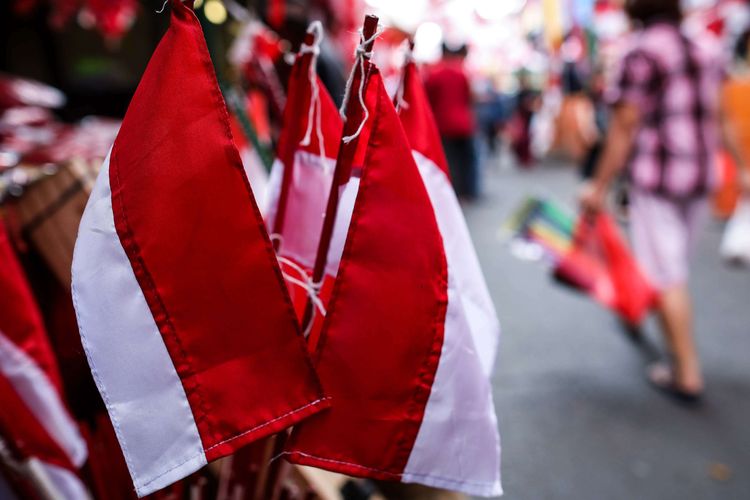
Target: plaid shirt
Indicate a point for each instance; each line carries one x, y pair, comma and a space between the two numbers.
676, 85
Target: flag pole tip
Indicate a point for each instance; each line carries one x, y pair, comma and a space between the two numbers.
369, 29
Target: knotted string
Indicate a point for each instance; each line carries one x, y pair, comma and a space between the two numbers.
309, 286
408, 58
315, 110
276, 237
360, 55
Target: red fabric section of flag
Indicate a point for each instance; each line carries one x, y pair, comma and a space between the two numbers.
383, 333
25, 435
418, 120
20, 319
185, 215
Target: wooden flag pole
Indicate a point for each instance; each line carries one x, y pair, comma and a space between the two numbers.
274, 473
353, 113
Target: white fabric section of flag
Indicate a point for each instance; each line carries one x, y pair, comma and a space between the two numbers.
149, 409
256, 174
306, 205
348, 195
462, 258
273, 192
458, 444
65, 482
42, 398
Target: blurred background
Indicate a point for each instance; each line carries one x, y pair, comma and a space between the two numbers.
577, 416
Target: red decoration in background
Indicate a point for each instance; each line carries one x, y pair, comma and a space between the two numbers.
61, 11
25, 6
276, 13
113, 18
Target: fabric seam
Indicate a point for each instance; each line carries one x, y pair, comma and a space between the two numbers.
257, 427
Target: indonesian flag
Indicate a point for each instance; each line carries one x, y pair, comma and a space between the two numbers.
302, 175
30, 381
40, 466
183, 314
463, 264
412, 403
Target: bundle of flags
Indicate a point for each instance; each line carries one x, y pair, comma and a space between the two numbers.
587, 254
39, 439
356, 314
185, 319
543, 223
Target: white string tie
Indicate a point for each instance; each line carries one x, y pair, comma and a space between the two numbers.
360, 55
163, 6
309, 286
315, 110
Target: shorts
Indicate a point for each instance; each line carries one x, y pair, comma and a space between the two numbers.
664, 232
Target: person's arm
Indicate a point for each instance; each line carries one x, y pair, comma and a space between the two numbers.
623, 127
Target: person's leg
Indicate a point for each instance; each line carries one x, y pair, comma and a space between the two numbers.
676, 310
525, 147
676, 315
452, 148
471, 168
661, 241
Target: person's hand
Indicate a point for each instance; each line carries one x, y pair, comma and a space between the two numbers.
592, 198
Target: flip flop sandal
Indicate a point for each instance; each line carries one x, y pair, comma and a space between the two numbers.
661, 377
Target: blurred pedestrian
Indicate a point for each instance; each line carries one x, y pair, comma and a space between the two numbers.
490, 112
736, 105
595, 93
451, 100
528, 103
666, 126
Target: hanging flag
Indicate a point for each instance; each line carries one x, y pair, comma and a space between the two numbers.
255, 170
34, 455
27, 361
183, 314
463, 264
411, 402
302, 174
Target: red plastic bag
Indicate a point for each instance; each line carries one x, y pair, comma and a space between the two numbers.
600, 264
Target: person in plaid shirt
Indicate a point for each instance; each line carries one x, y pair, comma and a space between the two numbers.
666, 127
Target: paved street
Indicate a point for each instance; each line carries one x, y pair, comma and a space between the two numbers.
577, 418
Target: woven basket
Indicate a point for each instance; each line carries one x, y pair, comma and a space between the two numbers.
50, 211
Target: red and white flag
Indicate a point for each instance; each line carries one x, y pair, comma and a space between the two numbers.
302, 174
185, 319
31, 379
463, 265
40, 466
412, 403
